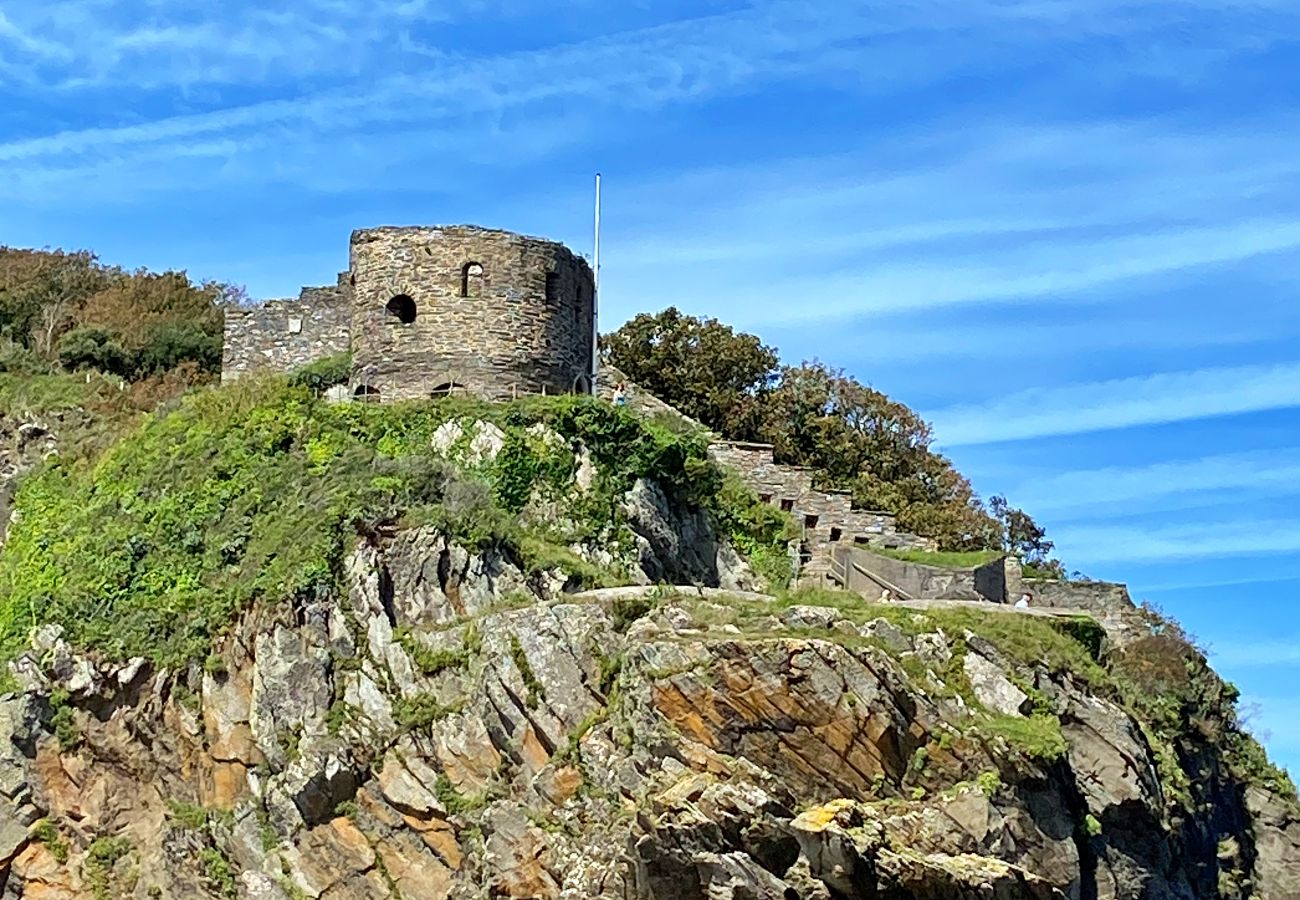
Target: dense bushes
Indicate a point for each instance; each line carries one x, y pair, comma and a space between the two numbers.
257, 490
68, 309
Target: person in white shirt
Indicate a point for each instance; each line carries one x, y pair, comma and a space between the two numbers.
1023, 602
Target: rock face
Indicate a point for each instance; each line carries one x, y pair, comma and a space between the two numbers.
451, 727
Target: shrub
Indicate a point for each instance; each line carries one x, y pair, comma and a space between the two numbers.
94, 348
324, 373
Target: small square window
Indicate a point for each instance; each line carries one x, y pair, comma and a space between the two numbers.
787, 505
295, 325
836, 534
765, 498
810, 521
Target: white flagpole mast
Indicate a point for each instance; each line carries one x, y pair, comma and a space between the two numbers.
595, 301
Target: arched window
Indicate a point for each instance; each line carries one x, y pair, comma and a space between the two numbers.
366, 394
447, 388
403, 307
471, 280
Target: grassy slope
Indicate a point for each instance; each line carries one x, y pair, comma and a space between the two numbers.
256, 491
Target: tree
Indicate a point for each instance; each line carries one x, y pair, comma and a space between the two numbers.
1024, 538
40, 291
704, 368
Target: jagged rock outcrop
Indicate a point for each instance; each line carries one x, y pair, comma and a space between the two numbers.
451, 727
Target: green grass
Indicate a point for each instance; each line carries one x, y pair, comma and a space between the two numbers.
47, 833
945, 559
1039, 736
256, 492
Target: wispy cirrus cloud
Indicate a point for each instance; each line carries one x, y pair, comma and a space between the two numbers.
1108, 542
1120, 403
1275, 473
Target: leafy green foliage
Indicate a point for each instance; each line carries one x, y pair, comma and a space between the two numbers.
702, 367
101, 857
70, 308
627, 610
188, 815
418, 712
324, 373
256, 491
855, 437
63, 720
94, 348
452, 800
218, 870
47, 833
1039, 736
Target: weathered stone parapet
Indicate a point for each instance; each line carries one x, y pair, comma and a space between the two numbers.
283, 335
1095, 596
918, 581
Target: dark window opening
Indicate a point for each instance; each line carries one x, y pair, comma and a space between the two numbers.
446, 389
552, 287
787, 505
403, 307
809, 521
366, 394
836, 534
471, 280
765, 498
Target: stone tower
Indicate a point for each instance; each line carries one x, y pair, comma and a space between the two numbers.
436, 309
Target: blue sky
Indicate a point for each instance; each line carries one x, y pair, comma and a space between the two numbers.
1066, 231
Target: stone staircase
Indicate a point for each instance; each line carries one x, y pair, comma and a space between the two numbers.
826, 519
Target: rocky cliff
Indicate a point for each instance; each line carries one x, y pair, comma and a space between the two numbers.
450, 719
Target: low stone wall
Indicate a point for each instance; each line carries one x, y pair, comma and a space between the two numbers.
919, 581
1094, 596
283, 335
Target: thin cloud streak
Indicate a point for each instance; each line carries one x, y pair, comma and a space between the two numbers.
1120, 403
1086, 546
1276, 472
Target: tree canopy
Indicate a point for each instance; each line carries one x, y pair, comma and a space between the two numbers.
67, 309
852, 435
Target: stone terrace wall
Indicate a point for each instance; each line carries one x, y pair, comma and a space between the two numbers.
827, 518
918, 581
1094, 596
282, 335
524, 327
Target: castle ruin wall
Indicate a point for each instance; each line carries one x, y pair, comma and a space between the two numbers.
283, 335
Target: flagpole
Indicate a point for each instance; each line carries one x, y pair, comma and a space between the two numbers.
595, 300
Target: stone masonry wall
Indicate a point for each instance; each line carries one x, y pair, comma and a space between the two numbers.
1094, 596
282, 335
524, 328
918, 581
827, 518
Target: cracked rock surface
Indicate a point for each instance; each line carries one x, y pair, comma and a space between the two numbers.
452, 728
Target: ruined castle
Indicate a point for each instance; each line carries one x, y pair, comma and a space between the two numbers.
427, 311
